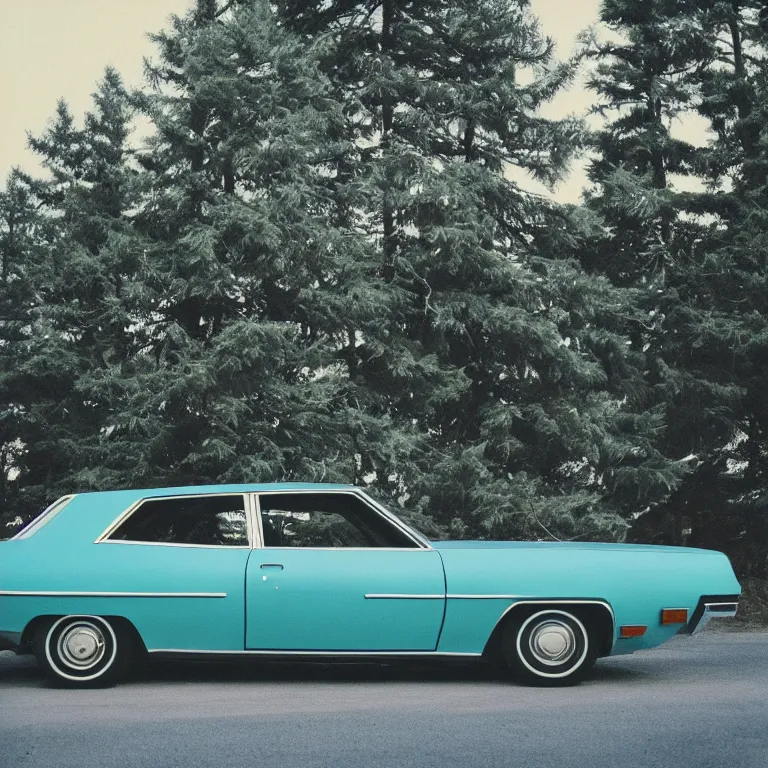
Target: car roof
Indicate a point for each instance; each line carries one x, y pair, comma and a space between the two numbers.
95, 510
187, 490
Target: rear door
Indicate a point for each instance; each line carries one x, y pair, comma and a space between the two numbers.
334, 574
176, 566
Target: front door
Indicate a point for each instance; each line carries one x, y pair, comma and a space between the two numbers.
336, 575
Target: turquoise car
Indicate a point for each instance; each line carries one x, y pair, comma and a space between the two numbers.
317, 570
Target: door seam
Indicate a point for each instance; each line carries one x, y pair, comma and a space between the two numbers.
445, 600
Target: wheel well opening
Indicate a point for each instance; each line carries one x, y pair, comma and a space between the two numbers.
137, 643
28, 634
597, 617
120, 622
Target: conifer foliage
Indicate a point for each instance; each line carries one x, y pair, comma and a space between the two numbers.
323, 265
249, 294
694, 257
63, 244
443, 99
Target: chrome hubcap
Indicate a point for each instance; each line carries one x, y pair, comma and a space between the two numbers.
552, 642
82, 645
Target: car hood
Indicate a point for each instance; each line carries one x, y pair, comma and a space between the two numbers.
586, 546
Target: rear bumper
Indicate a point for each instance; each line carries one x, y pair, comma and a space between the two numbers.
711, 607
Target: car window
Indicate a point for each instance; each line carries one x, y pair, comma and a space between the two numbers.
384, 506
202, 520
335, 520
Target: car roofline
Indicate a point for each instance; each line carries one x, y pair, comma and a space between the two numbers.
203, 490
140, 496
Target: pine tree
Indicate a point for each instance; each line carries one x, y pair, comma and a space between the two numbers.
493, 351
730, 507
680, 250
644, 82
78, 280
23, 234
249, 296
320, 268
730, 87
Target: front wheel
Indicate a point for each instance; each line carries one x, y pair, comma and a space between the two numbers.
82, 651
549, 647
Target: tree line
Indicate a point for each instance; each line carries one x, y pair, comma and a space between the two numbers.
319, 267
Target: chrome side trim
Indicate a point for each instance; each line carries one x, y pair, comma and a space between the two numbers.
25, 593
172, 544
488, 597
404, 597
351, 654
344, 549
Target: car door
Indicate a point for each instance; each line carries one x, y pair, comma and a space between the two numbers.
333, 574
175, 567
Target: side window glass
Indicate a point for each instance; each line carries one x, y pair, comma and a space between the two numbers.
336, 520
204, 520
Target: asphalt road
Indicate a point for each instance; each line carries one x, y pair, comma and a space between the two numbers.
699, 701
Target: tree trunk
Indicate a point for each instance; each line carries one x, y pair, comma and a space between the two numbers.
387, 112
469, 140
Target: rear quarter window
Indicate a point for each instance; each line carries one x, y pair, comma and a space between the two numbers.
214, 520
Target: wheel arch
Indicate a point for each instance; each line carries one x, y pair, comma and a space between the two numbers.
28, 633
597, 612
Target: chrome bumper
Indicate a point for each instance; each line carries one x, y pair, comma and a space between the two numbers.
711, 607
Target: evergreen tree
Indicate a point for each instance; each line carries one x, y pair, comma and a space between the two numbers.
320, 268
694, 257
644, 82
250, 295
77, 274
730, 509
525, 434
23, 232
730, 87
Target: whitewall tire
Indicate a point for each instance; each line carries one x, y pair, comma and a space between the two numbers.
82, 651
550, 646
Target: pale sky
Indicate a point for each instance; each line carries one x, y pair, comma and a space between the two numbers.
59, 48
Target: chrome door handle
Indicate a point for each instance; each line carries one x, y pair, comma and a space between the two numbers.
271, 565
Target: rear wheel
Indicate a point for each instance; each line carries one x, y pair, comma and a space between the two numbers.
549, 647
82, 651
